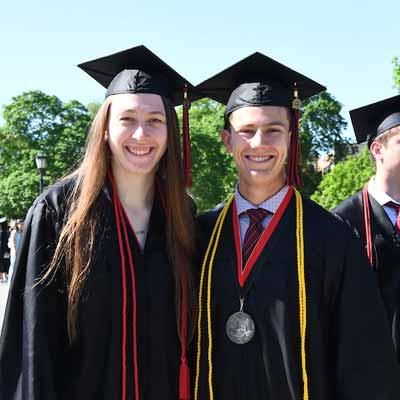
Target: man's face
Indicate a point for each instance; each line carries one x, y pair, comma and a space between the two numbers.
259, 141
387, 155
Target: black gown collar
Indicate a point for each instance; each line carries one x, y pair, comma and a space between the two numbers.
381, 217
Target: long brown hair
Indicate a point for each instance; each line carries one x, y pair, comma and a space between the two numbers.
76, 242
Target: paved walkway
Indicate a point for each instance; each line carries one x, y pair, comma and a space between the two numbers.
3, 300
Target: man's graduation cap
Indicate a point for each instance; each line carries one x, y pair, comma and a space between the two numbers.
138, 70
258, 80
374, 119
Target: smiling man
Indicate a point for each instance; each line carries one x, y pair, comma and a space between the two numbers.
288, 308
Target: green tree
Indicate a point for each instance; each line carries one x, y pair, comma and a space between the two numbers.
396, 73
33, 122
93, 107
321, 132
213, 169
345, 179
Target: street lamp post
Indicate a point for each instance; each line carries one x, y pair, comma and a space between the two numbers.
41, 163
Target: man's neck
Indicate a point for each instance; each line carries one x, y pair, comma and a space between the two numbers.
257, 194
388, 183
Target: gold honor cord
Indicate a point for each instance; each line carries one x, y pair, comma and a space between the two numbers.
212, 247
302, 289
216, 231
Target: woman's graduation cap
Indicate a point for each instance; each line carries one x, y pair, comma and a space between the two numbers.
258, 80
374, 119
138, 70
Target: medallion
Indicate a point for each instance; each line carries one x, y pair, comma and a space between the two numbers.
240, 328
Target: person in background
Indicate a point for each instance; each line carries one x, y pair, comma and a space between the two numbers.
13, 243
374, 212
4, 250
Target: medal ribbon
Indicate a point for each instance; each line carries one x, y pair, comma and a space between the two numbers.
205, 291
243, 273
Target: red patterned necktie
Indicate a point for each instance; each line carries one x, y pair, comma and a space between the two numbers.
254, 231
396, 207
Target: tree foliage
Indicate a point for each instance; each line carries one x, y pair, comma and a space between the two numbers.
321, 132
213, 169
33, 122
345, 179
396, 73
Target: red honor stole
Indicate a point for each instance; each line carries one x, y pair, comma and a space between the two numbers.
243, 273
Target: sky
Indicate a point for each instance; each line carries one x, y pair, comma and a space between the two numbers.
347, 46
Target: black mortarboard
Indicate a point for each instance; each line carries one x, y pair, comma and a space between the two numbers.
258, 80
138, 70
374, 119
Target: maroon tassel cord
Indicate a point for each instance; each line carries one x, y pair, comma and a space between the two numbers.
184, 372
187, 158
293, 176
123, 273
367, 225
121, 228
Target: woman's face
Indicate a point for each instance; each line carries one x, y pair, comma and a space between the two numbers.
137, 133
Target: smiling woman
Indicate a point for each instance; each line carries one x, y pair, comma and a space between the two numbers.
137, 133
103, 284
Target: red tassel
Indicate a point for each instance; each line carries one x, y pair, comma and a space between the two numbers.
184, 380
184, 372
293, 176
187, 158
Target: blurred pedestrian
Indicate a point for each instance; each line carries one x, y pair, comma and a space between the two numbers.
4, 250
13, 243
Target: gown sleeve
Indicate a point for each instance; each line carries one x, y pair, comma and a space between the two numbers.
365, 360
34, 336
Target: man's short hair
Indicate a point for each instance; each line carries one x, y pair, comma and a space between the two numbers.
386, 136
383, 139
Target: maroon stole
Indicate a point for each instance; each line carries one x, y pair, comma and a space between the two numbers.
243, 273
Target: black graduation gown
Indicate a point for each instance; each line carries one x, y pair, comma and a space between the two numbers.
36, 360
386, 254
348, 349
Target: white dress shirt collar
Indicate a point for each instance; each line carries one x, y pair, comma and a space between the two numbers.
381, 197
271, 204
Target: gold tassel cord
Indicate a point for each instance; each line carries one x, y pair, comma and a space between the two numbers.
210, 268
208, 262
203, 270
302, 289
